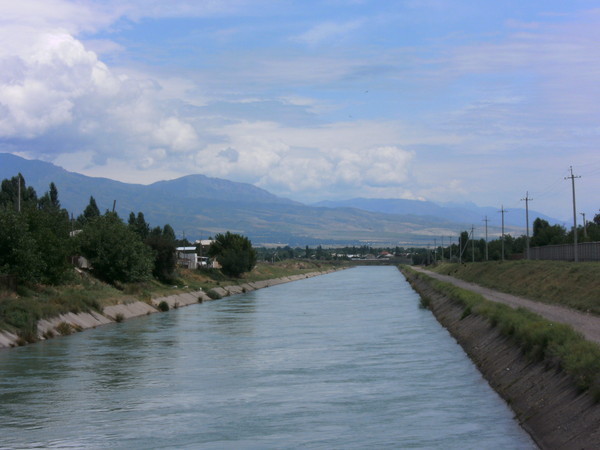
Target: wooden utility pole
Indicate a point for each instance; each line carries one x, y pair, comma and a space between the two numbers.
502, 210
486, 220
472, 243
572, 177
527, 200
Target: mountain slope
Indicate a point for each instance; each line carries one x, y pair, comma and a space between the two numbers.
198, 206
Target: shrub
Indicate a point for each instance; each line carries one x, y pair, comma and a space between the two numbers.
214, 295
163, 306
64, 328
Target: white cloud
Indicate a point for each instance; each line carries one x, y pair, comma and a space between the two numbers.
327, 31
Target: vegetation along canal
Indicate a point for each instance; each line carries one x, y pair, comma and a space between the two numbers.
345, 360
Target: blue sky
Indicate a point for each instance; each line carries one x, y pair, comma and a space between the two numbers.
449, 101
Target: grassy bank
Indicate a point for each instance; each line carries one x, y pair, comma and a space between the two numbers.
20, 311
564, 283
539, 339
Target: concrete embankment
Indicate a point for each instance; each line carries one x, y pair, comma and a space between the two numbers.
545, 400
73, 322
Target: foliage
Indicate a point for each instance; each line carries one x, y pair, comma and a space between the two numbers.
162, 243
546, 234
163, 306
234, 253
115, 252
34, 243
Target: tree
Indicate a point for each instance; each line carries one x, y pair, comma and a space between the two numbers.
138, 225
234, 253
115, 252
546, 234
90, 212
162, 243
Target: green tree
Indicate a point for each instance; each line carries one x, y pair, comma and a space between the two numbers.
90, 212
138, 225
546, 234
19, 254
115, 252
162, 243
234, 253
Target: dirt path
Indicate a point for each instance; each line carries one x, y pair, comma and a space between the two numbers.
586, 324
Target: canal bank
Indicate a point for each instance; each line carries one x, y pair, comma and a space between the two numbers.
544, 398
69, 323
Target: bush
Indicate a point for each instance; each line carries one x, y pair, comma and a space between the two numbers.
163, 306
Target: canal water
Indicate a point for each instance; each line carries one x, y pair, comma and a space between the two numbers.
345, 360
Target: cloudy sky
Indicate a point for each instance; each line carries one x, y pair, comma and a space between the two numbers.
444, 100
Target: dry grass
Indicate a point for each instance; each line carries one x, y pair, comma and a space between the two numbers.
576, 285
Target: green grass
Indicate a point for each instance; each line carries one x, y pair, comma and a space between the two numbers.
538, 338
575, 285
20, 311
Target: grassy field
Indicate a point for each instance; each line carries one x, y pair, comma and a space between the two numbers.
538, 338
20, 311
576, 285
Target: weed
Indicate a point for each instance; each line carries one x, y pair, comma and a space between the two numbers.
214, 295
64, 328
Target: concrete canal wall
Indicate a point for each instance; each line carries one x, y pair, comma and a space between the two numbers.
545, 400
72, 322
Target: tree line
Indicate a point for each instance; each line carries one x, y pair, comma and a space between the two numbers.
543, 234
39, 241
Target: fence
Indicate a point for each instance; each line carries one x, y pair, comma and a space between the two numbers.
586, 251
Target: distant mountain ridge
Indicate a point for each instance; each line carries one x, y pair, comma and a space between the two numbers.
198, 206
466, 212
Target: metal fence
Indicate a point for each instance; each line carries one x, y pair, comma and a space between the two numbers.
586, 251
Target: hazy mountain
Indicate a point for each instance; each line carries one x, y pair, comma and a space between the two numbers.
199, 206
453, 212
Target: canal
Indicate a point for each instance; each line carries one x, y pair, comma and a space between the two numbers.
345, 360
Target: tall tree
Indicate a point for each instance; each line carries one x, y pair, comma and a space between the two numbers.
115, 252
234, 253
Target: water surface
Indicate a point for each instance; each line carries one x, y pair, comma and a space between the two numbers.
346, 360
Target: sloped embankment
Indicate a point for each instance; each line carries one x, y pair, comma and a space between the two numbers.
544, 398
72, 322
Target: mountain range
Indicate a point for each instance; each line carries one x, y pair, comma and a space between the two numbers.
197, 207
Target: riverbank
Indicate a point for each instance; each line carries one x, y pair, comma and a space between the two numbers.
68, 323
545, 398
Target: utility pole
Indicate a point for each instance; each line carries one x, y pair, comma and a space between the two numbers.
486, 220
502, 210
584, 226
450, 249
527, 200
472, 243
434, 250
572, 177
442, 248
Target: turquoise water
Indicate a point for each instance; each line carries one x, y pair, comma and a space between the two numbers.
346, 360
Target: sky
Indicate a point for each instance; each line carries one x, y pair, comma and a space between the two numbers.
442, 100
